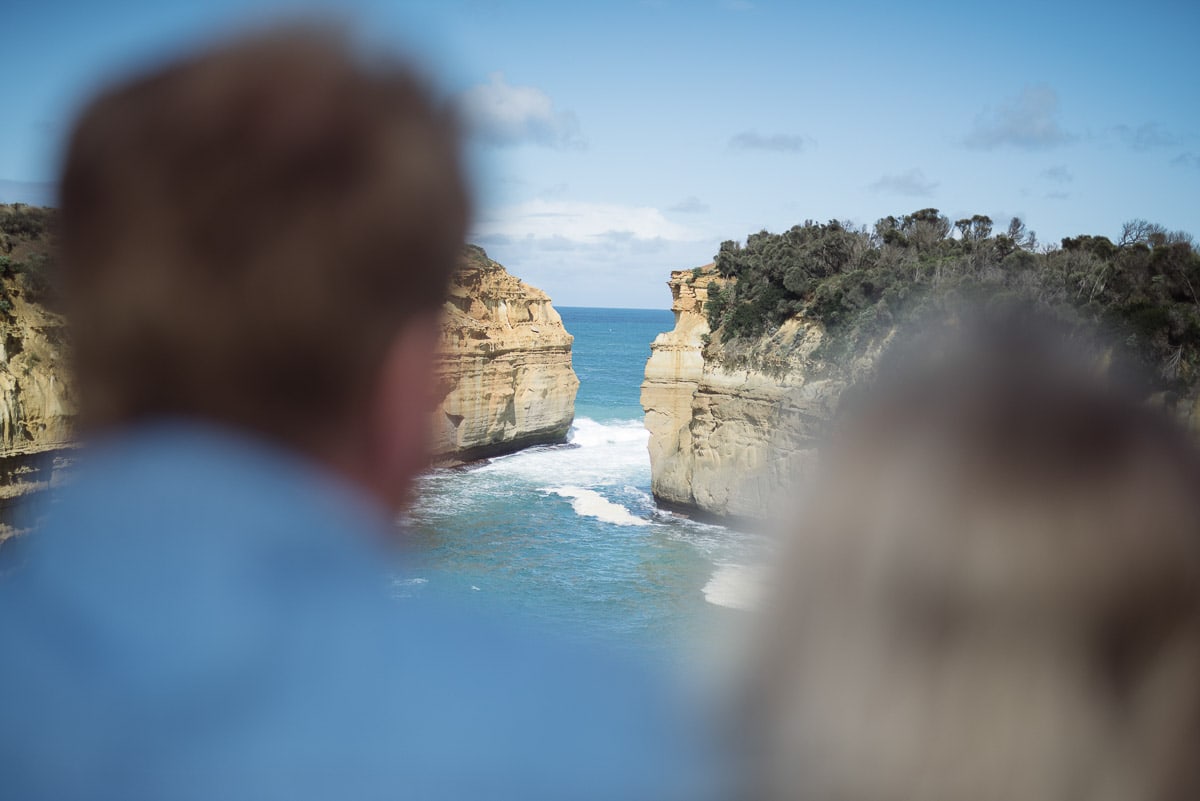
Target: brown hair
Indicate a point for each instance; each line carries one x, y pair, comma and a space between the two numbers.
246, 231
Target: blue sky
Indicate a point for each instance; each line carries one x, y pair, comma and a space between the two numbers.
613, 142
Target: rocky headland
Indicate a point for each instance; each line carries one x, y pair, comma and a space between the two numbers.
732, 428
505, 366
769, 338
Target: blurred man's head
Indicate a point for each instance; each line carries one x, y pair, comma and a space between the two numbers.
994, 592
262, 235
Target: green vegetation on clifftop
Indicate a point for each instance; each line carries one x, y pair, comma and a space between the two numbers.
26, 254
1140, 292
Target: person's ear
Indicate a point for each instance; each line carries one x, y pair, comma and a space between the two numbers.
401, 412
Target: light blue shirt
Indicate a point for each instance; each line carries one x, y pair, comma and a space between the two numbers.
203, 616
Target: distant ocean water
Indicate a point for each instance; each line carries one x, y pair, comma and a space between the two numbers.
570, 535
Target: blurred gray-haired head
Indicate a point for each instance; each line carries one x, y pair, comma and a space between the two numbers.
992, 591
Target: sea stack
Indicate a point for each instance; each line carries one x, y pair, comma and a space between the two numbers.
505, 366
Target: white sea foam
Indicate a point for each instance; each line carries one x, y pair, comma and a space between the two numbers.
735, 586
587, 433
589, 503
604, 454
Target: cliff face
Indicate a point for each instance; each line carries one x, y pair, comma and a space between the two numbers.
734, 427
36, 403
36, 396
730, 432
505, 366
505, 363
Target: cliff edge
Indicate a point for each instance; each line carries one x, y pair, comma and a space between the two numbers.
36, 395
728, 434
36, 398
505, 366
769, 337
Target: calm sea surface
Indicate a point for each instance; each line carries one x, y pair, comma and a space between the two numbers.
569, 534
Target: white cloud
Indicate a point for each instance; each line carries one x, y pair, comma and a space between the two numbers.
1028, 121
581, 222
690, 205
1059, 174
912, 183
611, 271
1147, 136
777, 143
502, 114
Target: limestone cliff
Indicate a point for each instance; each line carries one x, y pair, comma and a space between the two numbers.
36, 397
803, 314
734, 426
505, 363
730, 431
505, 366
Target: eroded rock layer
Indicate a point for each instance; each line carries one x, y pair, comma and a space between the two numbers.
36, 405
505, 366
730, 433
734, 427
36, 398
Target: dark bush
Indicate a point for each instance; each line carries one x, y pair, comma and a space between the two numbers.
23, 221
1143, 292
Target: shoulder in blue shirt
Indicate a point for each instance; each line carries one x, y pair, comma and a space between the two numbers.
200, 615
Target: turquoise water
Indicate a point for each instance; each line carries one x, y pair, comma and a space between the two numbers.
609, 356
569, 534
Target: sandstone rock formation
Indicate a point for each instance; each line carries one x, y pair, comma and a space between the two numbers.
505, 366
734, 427
730, 433
36, 404
36, 396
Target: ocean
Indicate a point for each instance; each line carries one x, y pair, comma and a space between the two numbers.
569, 535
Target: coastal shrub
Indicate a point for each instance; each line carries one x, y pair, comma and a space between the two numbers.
1143, 290
714, 307
23, 221
35, 278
